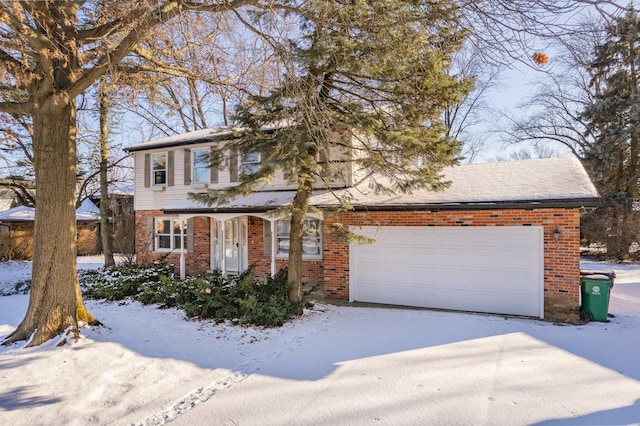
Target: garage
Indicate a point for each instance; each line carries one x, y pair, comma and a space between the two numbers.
493, 269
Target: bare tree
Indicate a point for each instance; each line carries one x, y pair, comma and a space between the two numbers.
50, 53
463, 118
560, 96
505, 31
207, 94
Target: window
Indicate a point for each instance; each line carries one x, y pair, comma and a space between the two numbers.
168, 235
249, 163
159, 168
200, 166
311, 237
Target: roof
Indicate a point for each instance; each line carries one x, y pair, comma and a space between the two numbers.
115, 188
198, 136
558, 181
18, 214
258, 201
552, 182
86, 212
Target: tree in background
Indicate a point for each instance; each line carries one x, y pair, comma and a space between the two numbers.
369, 80
51, 52
589, 106
613, 120
221, 62
464, 116
508, 31
106, 230
16, 151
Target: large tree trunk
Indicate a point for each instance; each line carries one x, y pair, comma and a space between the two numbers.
106, 230
299, 207
55, 302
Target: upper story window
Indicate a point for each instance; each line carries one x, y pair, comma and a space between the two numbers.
249, 163
159, 168
168, 234
200, 166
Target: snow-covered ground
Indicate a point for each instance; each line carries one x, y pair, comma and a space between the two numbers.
335, 365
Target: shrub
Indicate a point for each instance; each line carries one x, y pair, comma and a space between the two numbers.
242, 298
121, 281
266, 303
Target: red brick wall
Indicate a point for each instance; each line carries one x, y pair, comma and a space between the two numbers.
198, 261
312, 270
561, 260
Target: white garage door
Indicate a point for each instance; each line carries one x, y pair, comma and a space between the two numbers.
480, 269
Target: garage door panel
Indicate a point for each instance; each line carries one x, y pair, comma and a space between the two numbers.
488, 269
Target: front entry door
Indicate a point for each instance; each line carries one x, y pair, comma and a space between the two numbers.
235, 246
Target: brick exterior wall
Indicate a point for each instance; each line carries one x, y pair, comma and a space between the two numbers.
312, 270
198, 260
561, 259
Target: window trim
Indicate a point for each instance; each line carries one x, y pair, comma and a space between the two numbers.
317, 235
242, 163
194, 168
172, 235
166, 169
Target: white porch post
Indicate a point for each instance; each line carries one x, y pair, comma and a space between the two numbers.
182, 260
274, 246
223, 248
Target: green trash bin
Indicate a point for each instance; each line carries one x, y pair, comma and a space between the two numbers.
596, 292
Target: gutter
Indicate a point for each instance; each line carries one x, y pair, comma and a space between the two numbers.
433, 207
495, 205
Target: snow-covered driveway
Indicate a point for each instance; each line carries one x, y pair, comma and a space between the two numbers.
336, 365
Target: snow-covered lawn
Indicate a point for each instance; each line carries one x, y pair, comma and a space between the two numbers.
335, 365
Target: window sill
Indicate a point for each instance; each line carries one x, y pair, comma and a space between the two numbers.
304, 257
199, 185
158, 188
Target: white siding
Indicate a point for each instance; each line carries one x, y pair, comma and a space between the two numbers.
155, 198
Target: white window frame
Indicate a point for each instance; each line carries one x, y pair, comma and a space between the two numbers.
166, 168
248, 162
194, 168
174, 237
311, 237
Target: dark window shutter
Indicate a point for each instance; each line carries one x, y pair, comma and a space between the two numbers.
213, 174
147, 170
170, 168
267, 238
150, 232
233, 165
323, 162
187, 167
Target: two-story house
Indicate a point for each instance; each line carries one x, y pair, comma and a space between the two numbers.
502, 238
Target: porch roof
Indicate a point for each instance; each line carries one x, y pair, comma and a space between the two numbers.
256, 202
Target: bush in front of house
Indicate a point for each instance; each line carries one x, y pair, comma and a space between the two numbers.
242, 298
122, 281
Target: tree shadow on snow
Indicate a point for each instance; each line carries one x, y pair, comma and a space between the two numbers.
22, 397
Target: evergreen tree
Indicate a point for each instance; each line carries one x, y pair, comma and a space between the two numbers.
614, 122
368, 79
